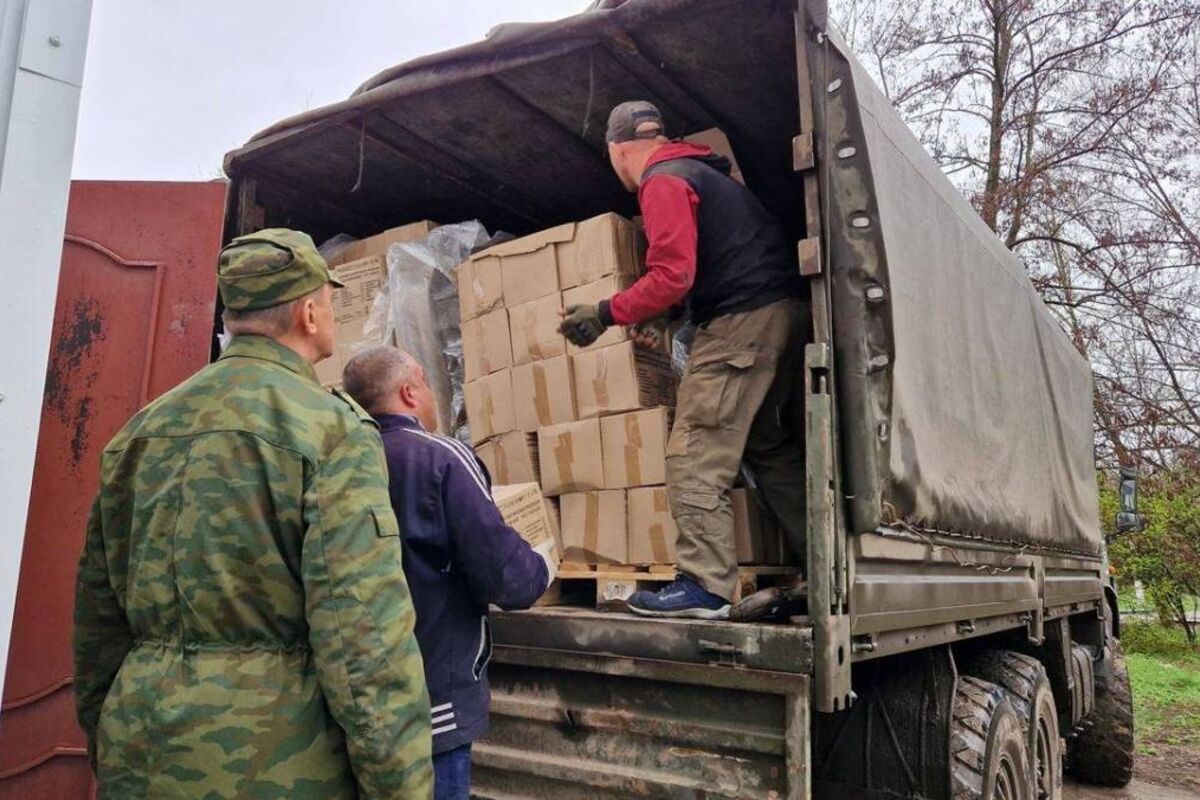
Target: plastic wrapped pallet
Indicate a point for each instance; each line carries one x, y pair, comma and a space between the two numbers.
418, 311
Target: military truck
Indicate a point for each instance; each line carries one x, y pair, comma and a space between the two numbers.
959, 637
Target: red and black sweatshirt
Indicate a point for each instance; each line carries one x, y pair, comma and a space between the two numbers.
711, 243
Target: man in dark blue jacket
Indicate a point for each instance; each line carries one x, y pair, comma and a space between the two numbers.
459, 556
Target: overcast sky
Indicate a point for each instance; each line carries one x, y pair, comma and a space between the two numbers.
172, 85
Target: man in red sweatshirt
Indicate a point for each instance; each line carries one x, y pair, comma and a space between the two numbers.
717, 251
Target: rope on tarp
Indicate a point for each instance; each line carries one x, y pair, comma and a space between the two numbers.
362, 147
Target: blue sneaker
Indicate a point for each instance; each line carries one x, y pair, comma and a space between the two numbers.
683, 597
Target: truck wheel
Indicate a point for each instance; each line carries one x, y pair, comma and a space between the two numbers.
989, 759
1103, 753
1025, 681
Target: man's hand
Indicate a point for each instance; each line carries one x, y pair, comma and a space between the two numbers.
549, 553
581, 324
650, 334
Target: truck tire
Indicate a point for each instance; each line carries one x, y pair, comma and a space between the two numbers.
1025, 681
989, 759
1103, 753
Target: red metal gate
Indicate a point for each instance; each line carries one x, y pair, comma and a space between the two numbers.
133, 318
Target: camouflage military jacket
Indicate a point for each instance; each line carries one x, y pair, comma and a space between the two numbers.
242, 624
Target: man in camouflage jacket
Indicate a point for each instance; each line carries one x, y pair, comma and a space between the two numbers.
243, 627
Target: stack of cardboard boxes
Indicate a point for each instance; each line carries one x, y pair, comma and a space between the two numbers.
590, 425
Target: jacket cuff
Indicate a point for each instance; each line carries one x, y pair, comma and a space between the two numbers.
605, 312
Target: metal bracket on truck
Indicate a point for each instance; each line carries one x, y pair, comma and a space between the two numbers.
828, 599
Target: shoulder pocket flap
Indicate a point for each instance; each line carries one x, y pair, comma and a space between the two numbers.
385, 523
702, 501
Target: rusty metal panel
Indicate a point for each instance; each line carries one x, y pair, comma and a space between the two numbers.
573, 726
133, 318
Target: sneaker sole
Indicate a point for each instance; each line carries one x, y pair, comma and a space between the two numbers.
685, 613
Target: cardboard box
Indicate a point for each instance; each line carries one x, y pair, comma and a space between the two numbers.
570, 457
564, 256
591, 294
351, 307
486, 345
652, 531
534, 328
593, 528
528, 266
603, 245
378, 244
489, 406
756, 538
511, 458
635, 446
544, 393
524, 510
480, 288
621, 378
716, 140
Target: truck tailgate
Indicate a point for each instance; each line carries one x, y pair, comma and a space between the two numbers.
592, 704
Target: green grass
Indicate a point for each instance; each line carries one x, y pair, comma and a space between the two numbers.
1165, 673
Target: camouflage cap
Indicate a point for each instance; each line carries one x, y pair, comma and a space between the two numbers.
269, 268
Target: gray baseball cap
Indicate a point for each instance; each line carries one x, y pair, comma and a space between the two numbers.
635, 119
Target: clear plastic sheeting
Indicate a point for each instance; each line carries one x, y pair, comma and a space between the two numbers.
334, 245
417, 310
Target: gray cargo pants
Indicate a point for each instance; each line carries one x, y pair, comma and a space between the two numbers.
741, 398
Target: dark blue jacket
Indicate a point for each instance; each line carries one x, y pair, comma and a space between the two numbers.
459, 556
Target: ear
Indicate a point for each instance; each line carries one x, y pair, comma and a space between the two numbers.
407, 395
306, 316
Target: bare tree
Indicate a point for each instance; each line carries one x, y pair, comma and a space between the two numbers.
1073, 127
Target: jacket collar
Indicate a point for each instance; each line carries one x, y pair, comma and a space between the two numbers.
388, 422
265, 348
674, 150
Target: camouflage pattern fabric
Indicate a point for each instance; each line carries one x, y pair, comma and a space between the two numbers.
269, 268
243, 627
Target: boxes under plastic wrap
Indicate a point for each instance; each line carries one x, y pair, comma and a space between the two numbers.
511, 458
593, 528
621, 378
489, 406
635, 446
570, 457
534, 330
651, 528
378, 244
352, 305
486, 344
417, 309
543, 393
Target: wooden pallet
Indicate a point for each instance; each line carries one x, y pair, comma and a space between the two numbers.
608, 586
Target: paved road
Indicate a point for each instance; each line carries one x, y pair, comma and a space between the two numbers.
1134, 791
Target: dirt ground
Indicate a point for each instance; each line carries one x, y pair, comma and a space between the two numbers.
1171, 765
1171, 773
1138, 790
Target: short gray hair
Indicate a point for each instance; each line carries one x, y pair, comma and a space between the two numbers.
273, 321
375, 374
